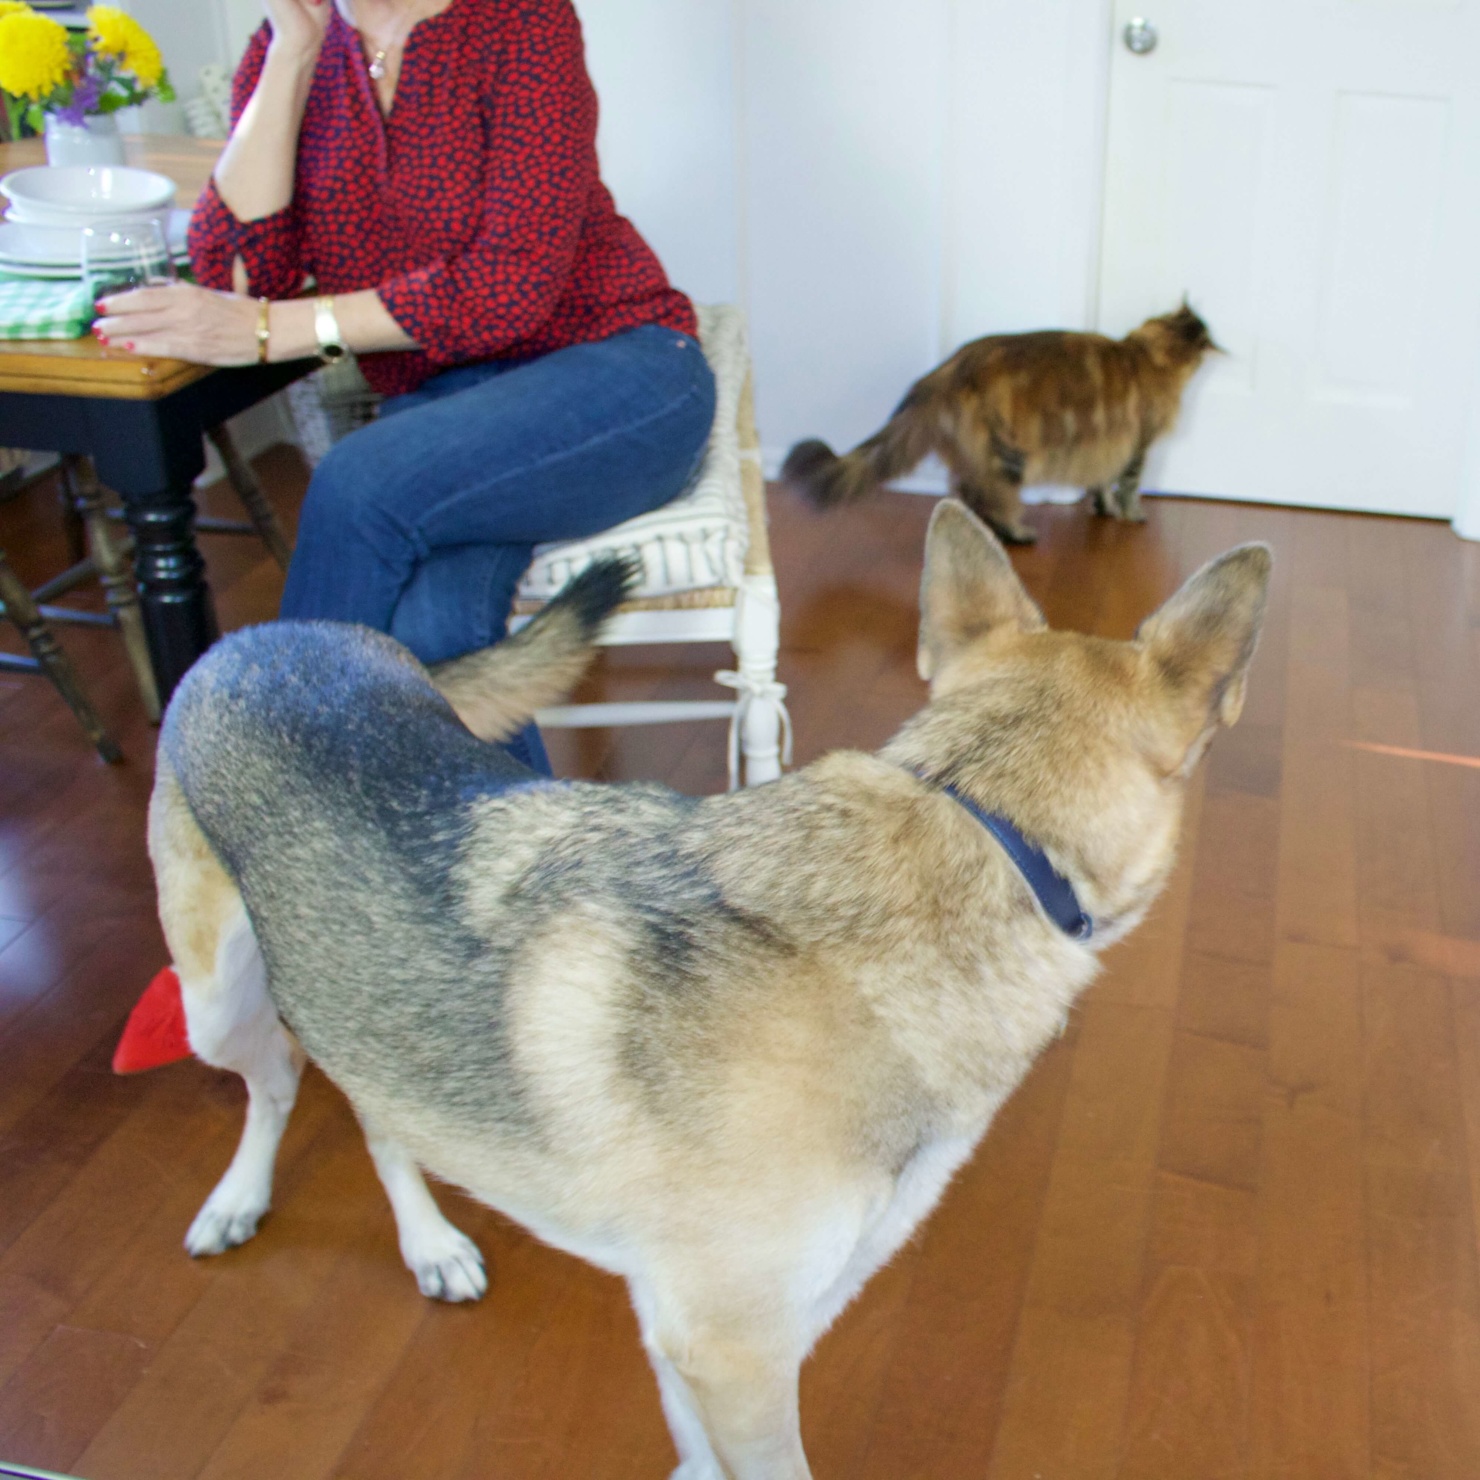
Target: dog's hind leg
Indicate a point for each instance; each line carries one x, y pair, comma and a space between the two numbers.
446, 1262
234, 1025
230, 1019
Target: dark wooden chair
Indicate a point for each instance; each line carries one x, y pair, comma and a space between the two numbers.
47, 657
98, 553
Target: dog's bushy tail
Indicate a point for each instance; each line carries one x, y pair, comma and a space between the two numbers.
814, 469
496, 691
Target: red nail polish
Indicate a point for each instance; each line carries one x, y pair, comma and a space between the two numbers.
102, 338
128, 344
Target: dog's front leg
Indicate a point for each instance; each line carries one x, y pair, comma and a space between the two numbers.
697, 1459
446, 1262
696, 1456
729, 1388
745, 1393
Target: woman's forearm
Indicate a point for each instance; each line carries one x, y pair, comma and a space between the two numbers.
363, 319
186, 322
254, 176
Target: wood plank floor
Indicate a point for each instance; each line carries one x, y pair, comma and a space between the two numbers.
1226, 1229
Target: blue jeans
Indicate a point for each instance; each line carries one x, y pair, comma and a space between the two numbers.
422, 523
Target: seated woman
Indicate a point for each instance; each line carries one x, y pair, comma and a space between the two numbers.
431, 166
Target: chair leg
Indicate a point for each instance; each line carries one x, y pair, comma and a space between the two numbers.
52, 661
81, 479
249, 491
761, 728
72, 525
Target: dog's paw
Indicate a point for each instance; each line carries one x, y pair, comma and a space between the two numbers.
220, 1226
448, 1266
694, 1469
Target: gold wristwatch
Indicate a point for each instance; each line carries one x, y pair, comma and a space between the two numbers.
326, 331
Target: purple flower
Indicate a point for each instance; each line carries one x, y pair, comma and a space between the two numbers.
86, 95
87, 90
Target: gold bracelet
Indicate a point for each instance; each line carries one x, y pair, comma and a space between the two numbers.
263, 329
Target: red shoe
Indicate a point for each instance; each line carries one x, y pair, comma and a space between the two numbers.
155, 1033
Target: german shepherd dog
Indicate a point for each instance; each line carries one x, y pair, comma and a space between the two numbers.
1015, 409
730, 1048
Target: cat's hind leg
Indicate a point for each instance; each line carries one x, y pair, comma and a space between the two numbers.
1127, 495
1099, 500
994, 492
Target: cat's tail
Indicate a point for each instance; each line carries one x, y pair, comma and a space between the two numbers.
814, 469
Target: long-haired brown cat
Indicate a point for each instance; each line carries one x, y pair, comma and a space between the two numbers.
1048, 407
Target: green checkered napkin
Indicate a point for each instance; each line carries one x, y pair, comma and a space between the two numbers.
33, 309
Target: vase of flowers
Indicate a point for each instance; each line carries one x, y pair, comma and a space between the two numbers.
70, 84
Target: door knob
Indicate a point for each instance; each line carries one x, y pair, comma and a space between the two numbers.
1140, 35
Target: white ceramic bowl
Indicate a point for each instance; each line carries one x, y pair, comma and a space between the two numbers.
72, 195
75, 221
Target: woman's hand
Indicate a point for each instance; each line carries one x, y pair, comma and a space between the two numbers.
298, 26
181, 322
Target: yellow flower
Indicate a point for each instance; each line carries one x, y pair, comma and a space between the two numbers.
116, 34
14, 7
34, 57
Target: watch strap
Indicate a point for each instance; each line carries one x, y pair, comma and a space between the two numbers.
326, 329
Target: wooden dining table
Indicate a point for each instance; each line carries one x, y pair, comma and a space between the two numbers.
142, 420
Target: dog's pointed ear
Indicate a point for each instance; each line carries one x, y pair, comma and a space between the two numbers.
1203, 639
969, 587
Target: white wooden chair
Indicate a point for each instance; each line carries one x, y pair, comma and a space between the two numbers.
707, 577
705, 558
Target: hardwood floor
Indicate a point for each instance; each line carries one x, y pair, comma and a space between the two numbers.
1227, 1228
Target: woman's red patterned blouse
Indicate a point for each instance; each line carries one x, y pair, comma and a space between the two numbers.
475, 208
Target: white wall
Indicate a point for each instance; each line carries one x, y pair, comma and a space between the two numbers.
664, 72
875, 183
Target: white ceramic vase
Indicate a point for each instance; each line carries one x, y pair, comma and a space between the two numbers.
95, 140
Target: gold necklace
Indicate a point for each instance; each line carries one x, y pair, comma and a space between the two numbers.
378, 54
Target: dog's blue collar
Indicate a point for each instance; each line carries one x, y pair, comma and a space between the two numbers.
1055, 893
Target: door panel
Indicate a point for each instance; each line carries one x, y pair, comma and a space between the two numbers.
1304, 170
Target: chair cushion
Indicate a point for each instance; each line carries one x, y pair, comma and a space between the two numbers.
699, 539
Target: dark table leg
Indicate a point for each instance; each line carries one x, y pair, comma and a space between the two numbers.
179, 615
150, 452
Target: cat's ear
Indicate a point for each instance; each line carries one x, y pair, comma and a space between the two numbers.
1202, 640
969, 587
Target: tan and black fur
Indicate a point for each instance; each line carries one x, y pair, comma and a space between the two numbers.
730, 1048
1016, 409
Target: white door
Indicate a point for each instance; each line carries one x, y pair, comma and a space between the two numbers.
1308, 172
